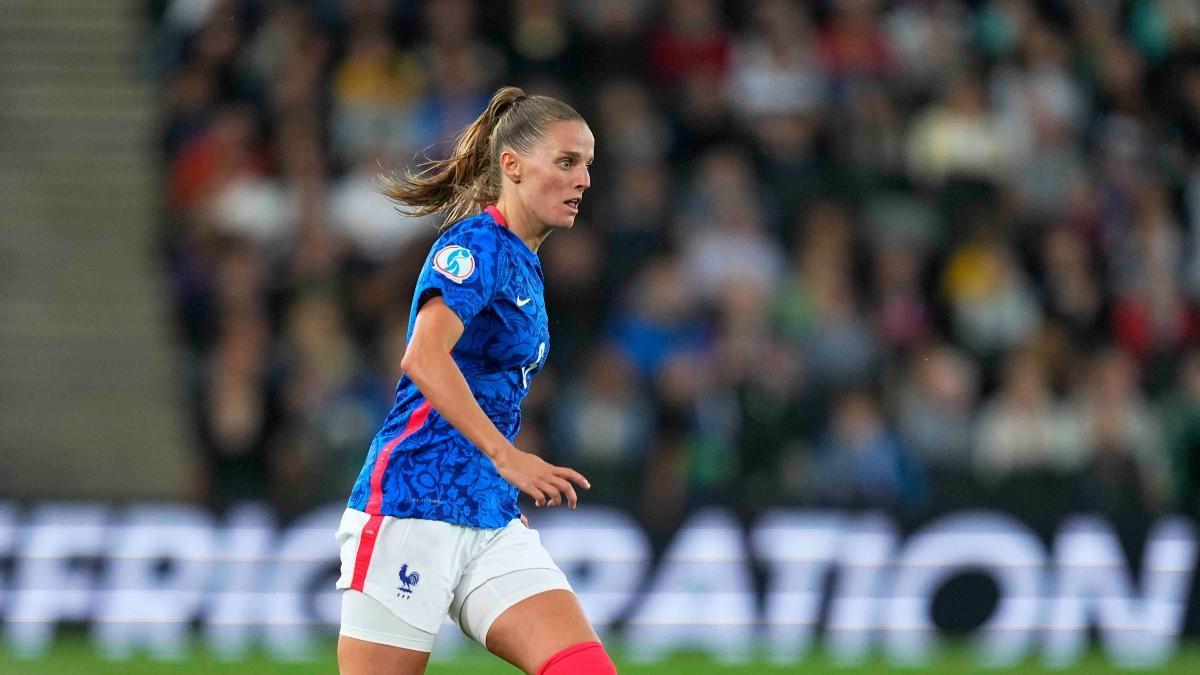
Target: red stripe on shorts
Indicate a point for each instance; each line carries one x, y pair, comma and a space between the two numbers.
366, 540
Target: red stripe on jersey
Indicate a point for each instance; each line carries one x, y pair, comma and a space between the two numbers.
370, 531
414, 422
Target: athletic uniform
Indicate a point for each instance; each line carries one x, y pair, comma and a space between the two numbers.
431, 527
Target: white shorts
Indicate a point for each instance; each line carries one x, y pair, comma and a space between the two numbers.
421, 570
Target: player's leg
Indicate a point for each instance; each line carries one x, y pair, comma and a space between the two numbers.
548, 634
515, 601
359, 657
374, 641
390, 614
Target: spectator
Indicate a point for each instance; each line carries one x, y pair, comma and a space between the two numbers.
375, 95
959, 136
861, 463
333, 402
376, 230
1041, 110
819, 308
660, 319
1023, 427
994, 308
853, 43
284, 59
602, 424
764, 378
613, 45
870, 137
228, 150
928, 39
1152, 317
602, 417
236, 413
738, 248
692, 42
1128, 460
902, 316
825, 250
772, 66
633, 130
935, 408
634, 219
841, 346
191, 98
460, 68
1181, 413
576, 298
542, 41
1071, 287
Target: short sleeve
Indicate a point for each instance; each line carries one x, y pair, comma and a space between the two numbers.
463, 268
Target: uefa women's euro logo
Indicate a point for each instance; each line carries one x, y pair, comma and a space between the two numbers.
455, 263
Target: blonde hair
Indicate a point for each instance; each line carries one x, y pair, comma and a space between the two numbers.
469, 179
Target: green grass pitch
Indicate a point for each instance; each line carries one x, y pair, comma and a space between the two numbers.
77, 657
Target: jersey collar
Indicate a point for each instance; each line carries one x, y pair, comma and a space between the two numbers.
496, 215
494, 212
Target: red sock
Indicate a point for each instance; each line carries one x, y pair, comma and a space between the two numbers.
585, 658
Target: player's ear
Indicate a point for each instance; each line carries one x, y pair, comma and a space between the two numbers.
510, 165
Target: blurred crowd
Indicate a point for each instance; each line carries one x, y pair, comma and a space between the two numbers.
911, 255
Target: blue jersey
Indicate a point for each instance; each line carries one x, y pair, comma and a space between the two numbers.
419, 466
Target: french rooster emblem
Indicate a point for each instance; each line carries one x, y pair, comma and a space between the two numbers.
407, 579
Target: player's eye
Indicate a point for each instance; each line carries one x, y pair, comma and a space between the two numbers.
565, 162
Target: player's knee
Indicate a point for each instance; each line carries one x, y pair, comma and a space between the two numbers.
585, 658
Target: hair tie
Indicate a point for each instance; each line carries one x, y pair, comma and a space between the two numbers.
503, 109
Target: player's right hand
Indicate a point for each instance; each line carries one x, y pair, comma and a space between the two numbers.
547, 484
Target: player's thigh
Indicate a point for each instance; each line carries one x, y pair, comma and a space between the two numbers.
374, 641
360, 657
538, 627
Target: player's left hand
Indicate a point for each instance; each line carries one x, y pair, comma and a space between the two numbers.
524, 520
547, 484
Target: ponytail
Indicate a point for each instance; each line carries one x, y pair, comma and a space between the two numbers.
469, 179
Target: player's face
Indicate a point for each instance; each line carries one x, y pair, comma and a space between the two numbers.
555, 173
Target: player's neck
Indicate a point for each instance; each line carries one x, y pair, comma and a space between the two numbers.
522, 223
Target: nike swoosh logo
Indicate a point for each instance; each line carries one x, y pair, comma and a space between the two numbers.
521, 302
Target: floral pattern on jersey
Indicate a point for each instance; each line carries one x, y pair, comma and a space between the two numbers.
435, 473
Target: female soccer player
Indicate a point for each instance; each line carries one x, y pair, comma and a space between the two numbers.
432, 525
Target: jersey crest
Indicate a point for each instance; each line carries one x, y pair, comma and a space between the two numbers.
455, 263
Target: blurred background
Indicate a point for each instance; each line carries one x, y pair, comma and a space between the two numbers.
912, 257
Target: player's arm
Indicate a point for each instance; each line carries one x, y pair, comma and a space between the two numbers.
428, 363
